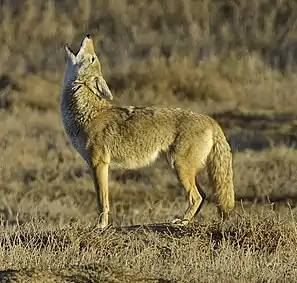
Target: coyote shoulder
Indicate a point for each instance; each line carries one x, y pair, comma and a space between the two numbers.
108, 136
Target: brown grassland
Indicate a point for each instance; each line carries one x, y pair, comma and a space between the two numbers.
235, 60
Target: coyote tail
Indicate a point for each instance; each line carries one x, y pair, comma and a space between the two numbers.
219, 167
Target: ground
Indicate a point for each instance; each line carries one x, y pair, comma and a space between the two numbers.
234, 60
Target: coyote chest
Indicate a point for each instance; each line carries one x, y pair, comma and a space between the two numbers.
74, 133
78, 142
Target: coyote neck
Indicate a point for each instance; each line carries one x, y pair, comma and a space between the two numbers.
81, 104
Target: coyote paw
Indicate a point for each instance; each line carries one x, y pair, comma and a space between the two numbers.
103, 220
102, 226
179, 222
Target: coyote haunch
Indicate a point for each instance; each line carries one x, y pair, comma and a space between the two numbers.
131, 137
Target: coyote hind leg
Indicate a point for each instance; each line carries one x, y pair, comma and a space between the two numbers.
202, 193
100, 179
188, 159
196, 195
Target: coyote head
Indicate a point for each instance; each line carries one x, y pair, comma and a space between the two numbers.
84, 68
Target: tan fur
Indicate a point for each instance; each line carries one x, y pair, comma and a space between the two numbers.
131, 137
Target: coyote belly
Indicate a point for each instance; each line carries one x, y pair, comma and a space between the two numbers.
132, 162
109, 136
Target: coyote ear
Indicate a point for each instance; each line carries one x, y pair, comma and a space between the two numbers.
70, 55
103, 88
99, 87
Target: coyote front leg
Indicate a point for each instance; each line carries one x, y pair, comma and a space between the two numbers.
100, 178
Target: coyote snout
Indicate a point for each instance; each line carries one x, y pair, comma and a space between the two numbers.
131, 137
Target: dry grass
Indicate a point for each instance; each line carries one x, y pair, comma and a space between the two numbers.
233, 59
208, 251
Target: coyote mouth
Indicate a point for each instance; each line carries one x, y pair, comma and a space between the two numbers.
86, 39
70, 49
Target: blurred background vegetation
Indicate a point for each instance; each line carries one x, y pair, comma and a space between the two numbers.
233, 53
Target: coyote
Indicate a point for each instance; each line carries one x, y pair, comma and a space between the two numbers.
130, 137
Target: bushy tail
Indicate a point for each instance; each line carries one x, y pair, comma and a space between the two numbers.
220, 171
